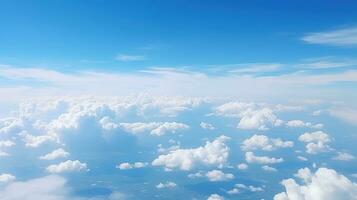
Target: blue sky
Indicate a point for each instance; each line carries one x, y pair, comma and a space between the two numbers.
207, 100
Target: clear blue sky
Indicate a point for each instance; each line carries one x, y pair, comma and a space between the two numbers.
90, 34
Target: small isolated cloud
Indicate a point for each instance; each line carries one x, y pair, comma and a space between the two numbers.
317, 142
136, 165
242, 166
214, 153
128, 58
264, 143
269, 169
155, 128
251, 158
218, 175
68, 166
324, 184
299, 123
168, 184
208, 126
339, 37
215, 197
344, 156
58, 153
5, 178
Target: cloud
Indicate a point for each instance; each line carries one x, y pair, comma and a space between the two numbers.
68, 166
214, 153
136, 165
208, 126
49, 188
251, 158
155, 128
58, 153
299, 123
264, 143
339, 37
343, 156
128, 58
215, 197
5, 178
324, 184
218, 175
168, 184
317, 142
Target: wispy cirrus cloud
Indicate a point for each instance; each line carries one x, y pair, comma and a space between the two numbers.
338, 37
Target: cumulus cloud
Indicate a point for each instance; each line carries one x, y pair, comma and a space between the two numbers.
208, 126
299, 123
5, 178
252, 116
343, 156
324, 184
215, 197
126, 165
68, 166
155, 128
218, 175
214, 153
251, 158
168, 184
58, 153
264, 143
317, 142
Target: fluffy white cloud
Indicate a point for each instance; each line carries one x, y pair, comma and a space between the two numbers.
251, 158
242, 166
127, 165
299, 123
215, 197
218, 175
155, 128
344, 156
68, 166
5, 178
324, 184
252, 116
316, 142
269, 169
168, 184
264, 143
208, 126
46, 188
213, 153
58, 153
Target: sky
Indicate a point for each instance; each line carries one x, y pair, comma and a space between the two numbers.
211, 100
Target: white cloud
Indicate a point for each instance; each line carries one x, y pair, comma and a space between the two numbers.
242, 166
168, 184
269, 169
5, 178
251, 158
324, 184
339, 37
46, 188
218, 175
126, 57
215, 197
155, 128
344, 156
58, 153
264, 143
126, 165
68, 166
316, 142
299, 123
214, 153
208, 126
